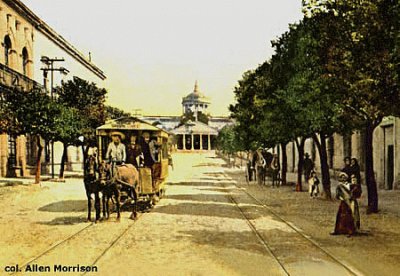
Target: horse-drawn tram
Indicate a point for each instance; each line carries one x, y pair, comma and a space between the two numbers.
133, 159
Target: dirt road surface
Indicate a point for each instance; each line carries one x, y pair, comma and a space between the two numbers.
205, 225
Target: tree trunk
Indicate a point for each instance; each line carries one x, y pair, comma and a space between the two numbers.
63, 160
38, 160
284, 163
369, 170
323, 157
300, 149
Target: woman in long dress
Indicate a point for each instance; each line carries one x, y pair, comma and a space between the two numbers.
348, 216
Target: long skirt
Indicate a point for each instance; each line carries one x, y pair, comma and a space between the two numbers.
345, 223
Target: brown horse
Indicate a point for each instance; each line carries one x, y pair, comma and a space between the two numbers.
123, 178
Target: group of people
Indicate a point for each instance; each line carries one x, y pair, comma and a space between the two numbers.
348, 191
140, 154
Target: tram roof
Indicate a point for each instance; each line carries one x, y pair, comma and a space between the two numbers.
129, 123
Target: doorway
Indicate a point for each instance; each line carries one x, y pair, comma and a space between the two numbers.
390, 167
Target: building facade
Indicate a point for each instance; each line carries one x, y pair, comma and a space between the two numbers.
386, 153
192, 135
26, 39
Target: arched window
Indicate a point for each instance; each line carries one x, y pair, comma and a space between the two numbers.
7, 48
25, 61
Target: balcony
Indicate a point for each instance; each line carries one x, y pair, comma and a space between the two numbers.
10, 78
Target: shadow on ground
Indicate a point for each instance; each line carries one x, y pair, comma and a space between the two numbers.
68, 220
65, 206
240, 240
206, 209
216, 198
207, 165
205, 183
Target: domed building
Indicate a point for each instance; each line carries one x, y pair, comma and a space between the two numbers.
194, 134
195, 102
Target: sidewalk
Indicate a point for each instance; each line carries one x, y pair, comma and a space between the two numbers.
375, 252
389, 200
30, 179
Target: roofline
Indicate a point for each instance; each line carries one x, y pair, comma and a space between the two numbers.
136, 118
46, 30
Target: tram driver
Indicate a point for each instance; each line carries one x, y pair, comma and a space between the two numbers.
116, 150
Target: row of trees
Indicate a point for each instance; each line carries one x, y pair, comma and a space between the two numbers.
76, 111
335, 71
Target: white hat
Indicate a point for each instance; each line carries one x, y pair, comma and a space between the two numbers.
118, 133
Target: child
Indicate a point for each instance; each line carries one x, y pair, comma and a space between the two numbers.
313, 183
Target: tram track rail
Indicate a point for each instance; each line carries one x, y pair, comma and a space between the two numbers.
118, 238
349, 269
74, 235
258, 235
53, 247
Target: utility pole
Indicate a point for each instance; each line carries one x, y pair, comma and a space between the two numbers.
50, 67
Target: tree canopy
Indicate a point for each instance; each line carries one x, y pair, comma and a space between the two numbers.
335, 71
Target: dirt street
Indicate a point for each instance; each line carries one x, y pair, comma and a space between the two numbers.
205, 225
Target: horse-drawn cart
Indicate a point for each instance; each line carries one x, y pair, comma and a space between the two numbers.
151, 179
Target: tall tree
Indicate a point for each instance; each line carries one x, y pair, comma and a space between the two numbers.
34, 113
115, 113
365, 62
89, 100
68, 125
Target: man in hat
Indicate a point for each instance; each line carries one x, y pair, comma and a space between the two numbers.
308, 166
116, 150
133, 152
148, 160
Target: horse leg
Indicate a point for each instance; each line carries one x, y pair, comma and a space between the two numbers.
264, 176
97, 205
273, 179
89, 200
107, 200
118, 199
279, 179
103, 200
134, 197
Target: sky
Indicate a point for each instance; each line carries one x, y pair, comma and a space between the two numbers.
153, 51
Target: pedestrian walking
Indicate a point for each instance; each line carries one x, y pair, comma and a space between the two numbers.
355, 170
313, 184
308, 166
347, 168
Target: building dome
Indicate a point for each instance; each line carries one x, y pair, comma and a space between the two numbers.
196, 97
195, 102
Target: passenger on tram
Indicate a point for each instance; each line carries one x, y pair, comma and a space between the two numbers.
148, 161
133, 152
154, 148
